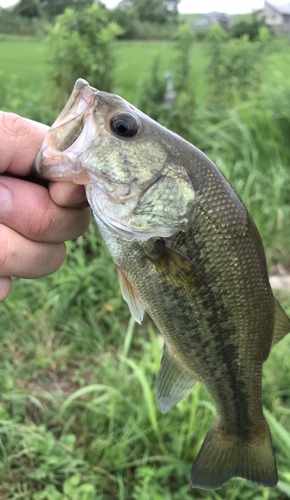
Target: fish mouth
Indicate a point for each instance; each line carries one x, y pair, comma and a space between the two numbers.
74, 130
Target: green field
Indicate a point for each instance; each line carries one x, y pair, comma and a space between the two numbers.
78, 412
26, 59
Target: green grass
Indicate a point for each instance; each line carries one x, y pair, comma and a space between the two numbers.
78, 414
133, 61
25, 58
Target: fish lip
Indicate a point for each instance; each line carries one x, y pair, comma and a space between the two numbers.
53, 163
75, 98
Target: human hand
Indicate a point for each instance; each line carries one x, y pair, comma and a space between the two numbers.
34, 221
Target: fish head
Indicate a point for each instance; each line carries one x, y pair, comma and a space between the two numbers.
124, 160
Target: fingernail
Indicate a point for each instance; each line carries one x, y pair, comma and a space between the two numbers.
5, 199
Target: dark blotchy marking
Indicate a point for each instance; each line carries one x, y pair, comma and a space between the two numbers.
228, 353
218, 318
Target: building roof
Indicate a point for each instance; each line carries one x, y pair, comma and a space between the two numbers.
282, 9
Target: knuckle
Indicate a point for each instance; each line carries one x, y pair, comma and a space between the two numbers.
20, 126
41, 222
14, 124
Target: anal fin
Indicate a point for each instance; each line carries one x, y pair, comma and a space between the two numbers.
173, 383
281, 325
130, 296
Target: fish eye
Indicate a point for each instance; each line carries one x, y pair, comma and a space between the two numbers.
124, 124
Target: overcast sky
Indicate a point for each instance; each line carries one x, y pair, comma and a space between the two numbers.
187, 6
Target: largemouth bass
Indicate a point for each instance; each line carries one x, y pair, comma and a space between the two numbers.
187, 252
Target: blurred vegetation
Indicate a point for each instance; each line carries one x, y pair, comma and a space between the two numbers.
146, 19
250, 27
81, 44
78, 415
138, 19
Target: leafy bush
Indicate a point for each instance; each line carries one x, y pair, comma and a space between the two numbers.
81, 46
182, 112
235, 68
152, 91
179, 113
250, 28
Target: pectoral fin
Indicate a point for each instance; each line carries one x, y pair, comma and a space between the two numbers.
130, 296
173, 383
281, 325
178, 271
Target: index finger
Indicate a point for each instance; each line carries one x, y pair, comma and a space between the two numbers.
20, 139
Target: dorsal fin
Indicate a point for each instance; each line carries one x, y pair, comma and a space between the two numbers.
130, 296
174, 382
282, 323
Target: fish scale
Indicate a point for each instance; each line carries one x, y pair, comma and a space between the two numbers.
187, 252
194, 332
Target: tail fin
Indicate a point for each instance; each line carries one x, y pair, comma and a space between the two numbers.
222, 457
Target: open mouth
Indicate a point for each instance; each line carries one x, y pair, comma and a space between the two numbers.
72, 133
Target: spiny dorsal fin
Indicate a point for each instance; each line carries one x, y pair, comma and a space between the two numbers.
281, 325
129, 295
173, 383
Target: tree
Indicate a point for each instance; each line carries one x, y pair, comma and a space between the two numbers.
50, 8
127, 18
55, 7
27, 8
250, 28
152, 11
80, 47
